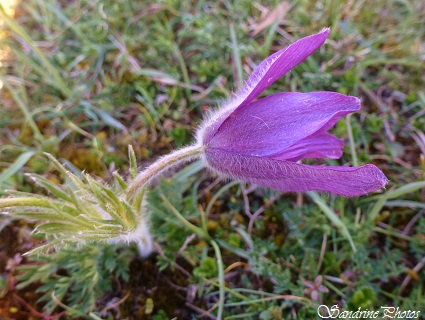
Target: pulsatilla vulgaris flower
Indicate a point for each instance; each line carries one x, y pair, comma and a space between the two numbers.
259, 141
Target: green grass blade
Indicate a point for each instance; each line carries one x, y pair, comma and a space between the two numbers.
393, 194
408, 188
16, 166
24, 110
236, 56
331, 215
18, 30
354, 158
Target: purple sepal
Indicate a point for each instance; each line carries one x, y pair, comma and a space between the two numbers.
275, 123
259, 141
290, 176
267, 72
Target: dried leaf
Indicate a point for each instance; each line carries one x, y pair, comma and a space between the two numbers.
276, 14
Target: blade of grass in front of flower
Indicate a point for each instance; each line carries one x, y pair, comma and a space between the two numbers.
94, 316
332, 216
393, 194
15, 166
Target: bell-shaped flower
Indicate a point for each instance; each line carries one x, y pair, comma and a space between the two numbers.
260, 141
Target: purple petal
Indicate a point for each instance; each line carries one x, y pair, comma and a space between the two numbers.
309, 284
322, 145
290, 176
271, 69
273, 124
323, 289
279, 64
314, 295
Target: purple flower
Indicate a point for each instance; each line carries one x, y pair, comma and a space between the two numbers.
314, 288
259, 141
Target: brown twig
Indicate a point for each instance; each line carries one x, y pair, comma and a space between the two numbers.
406, 280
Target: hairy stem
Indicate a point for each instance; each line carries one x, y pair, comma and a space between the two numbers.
159, 166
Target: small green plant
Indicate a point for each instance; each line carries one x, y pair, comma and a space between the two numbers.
83, 210
74, 279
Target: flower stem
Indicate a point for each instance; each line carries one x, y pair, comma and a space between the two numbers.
162, 164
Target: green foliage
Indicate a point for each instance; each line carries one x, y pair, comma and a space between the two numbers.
86, 210
76, 277
207, 268
364, 298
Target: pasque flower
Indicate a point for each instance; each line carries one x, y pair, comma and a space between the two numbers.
259, 141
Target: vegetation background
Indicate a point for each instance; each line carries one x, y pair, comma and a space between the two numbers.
82, 80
